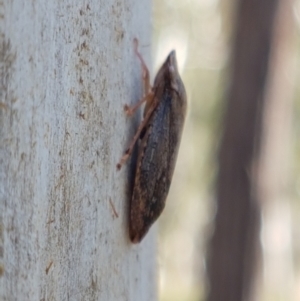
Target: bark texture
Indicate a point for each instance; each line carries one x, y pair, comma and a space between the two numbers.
66, 70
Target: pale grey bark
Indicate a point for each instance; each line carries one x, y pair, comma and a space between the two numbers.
66, 70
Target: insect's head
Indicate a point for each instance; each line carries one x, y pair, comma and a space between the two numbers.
171, 61
173, 70
168, 83
168, 74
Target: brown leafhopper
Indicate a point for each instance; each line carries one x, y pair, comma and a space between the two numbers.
158, 138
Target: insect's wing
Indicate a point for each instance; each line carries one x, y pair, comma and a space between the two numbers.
152, 181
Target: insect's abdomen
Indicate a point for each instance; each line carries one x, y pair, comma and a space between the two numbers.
156, 162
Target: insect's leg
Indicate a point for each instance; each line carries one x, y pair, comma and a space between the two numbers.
146, 79
137, 135
131, 110
151, 103
146, 76
148, 94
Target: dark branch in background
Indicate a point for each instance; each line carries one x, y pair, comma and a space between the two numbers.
232, 258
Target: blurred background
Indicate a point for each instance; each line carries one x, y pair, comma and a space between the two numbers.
203, 34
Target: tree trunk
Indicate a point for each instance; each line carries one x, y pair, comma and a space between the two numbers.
67, 69
276, 168
235, 242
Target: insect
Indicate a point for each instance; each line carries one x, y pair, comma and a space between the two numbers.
158, 138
